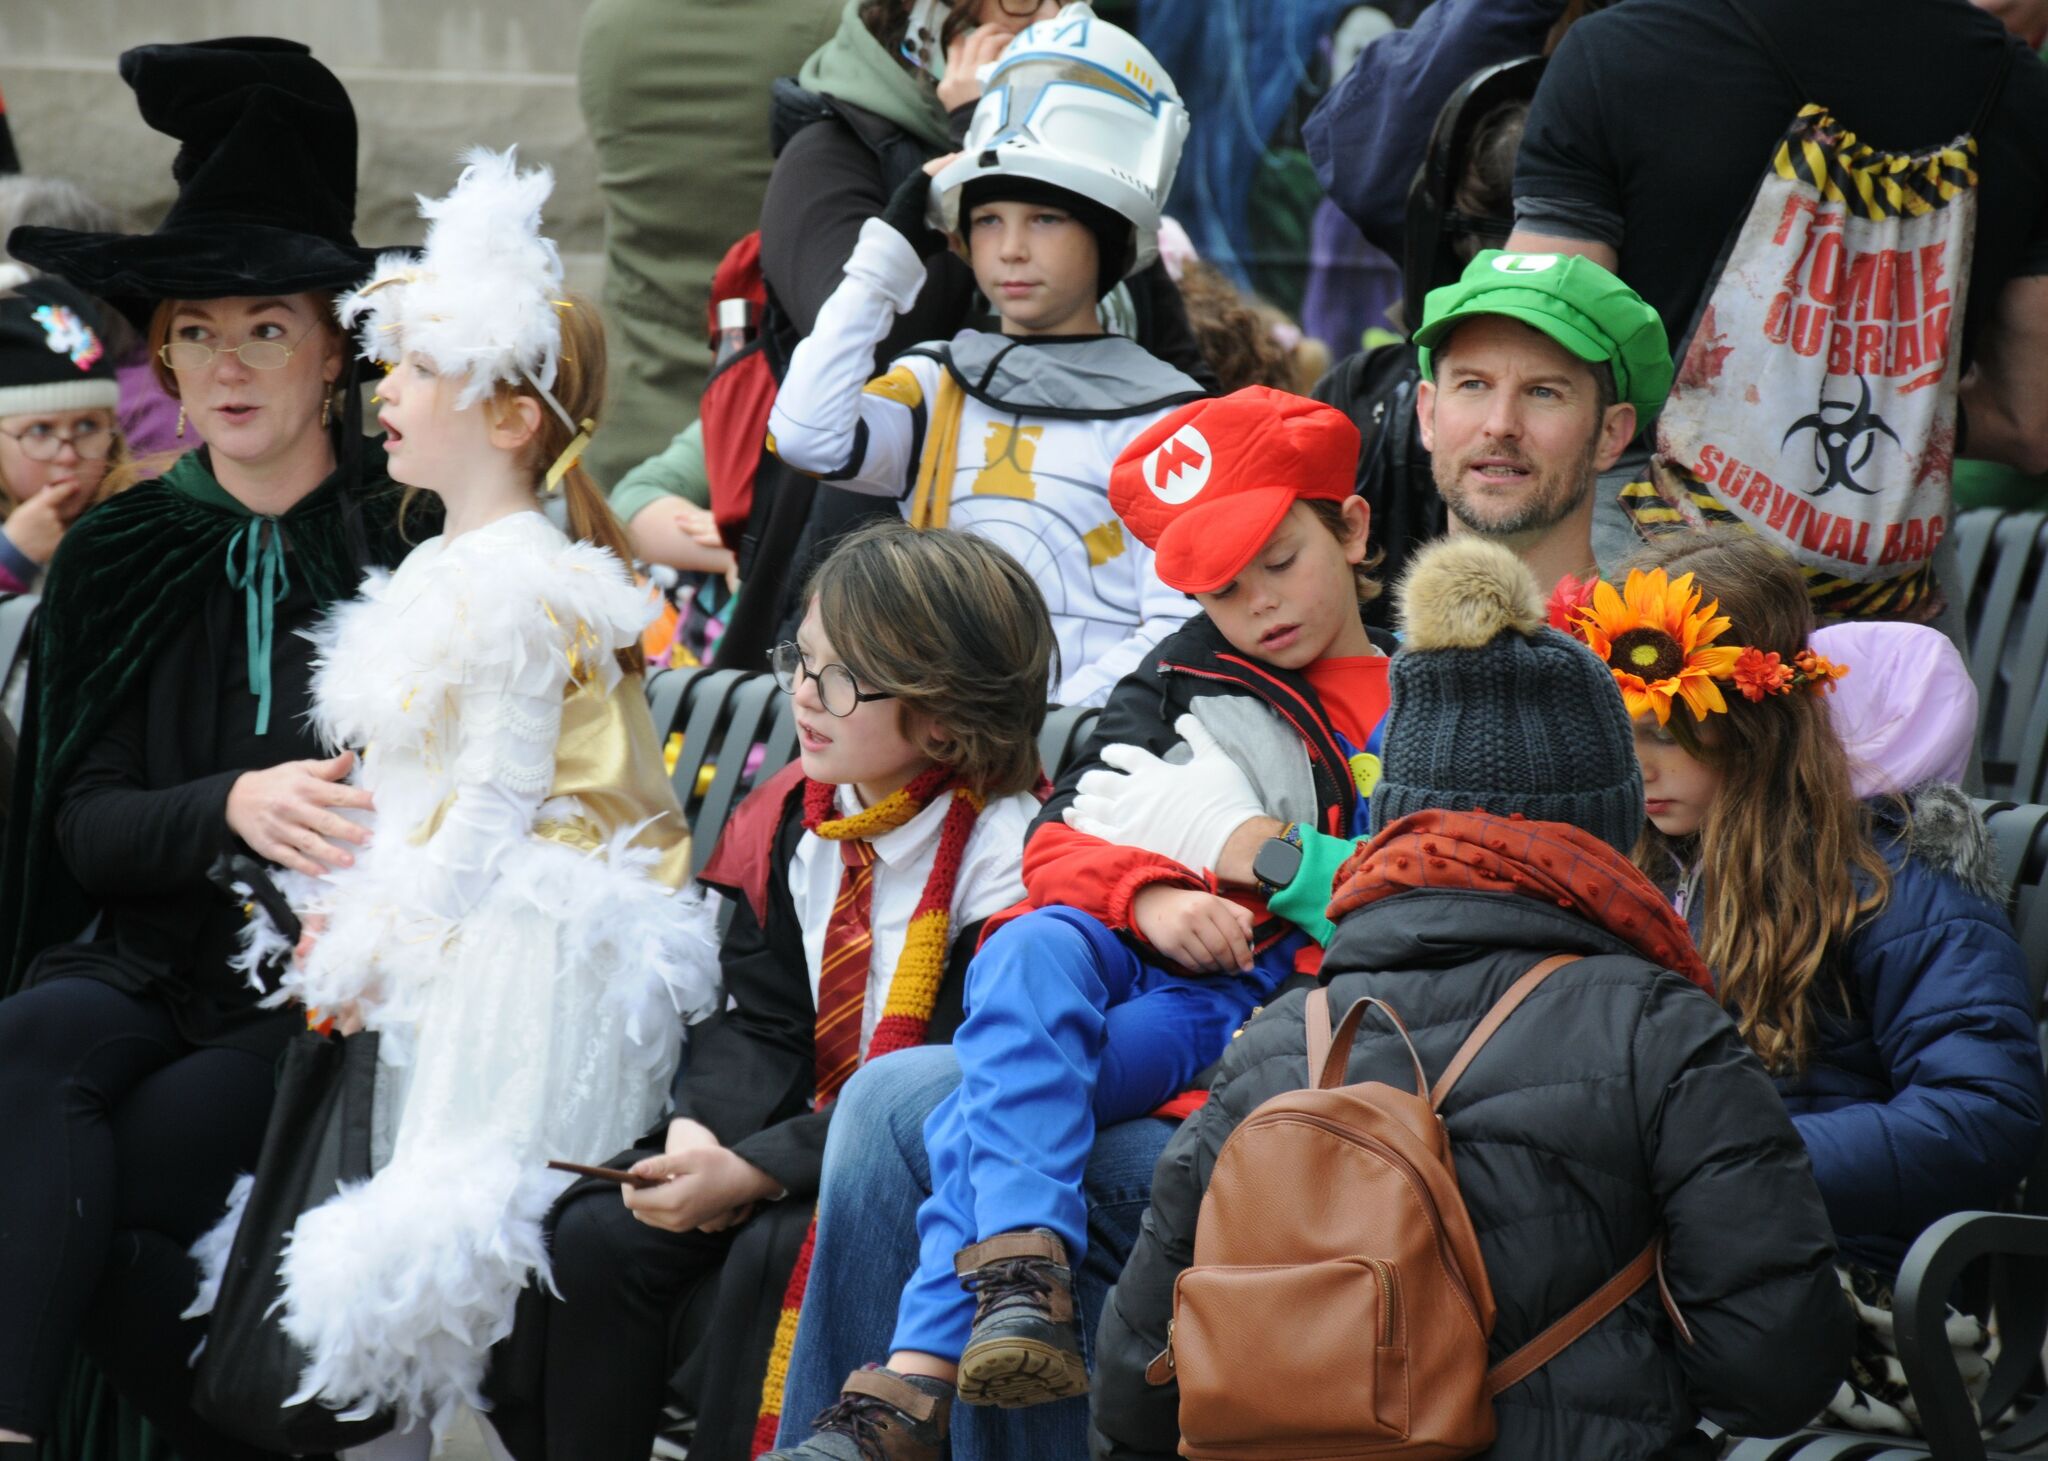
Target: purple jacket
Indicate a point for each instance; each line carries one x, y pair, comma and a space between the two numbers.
149, 416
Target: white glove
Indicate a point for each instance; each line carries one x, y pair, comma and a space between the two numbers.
1185, 812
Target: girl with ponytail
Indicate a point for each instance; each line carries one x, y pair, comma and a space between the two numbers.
516, 930
1859, 945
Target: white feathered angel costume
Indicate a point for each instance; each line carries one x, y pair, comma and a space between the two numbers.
513, 931
517, 931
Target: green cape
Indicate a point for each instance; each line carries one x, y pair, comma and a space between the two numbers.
128, 577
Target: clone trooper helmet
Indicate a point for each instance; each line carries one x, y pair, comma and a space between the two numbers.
1079, 104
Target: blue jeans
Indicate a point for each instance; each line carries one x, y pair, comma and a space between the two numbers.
1067, 1029
876, 1176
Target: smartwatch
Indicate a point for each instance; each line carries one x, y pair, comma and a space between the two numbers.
1278, 860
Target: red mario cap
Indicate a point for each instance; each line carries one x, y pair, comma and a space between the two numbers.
1205, 487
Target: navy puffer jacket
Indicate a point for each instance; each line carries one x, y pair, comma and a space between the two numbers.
1924, 1098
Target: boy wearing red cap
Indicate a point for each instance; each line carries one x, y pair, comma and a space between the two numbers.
1132, 967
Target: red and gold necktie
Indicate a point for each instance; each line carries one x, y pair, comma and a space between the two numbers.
843, 972
843, 982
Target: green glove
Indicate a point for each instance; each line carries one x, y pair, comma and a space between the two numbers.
1303, 902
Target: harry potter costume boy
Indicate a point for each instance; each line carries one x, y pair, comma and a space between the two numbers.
135, 1066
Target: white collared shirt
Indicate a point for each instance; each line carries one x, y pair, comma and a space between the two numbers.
991, 878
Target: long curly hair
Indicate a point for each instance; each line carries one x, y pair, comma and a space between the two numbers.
1783, 865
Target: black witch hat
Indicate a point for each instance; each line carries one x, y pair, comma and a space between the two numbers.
266, 178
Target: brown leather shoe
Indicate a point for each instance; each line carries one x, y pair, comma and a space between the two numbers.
1025, 1348
880, 1416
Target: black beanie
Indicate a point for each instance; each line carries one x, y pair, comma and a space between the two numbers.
52, 356
1114, 236
1492, 710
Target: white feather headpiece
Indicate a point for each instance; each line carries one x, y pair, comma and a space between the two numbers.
480, 300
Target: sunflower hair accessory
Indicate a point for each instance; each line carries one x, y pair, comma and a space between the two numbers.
1660, 644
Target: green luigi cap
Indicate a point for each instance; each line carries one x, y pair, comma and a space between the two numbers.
1572, 300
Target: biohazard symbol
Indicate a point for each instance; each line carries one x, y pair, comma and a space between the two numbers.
1842, 444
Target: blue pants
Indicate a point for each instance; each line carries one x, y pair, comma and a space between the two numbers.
1067, 1029
876, 1176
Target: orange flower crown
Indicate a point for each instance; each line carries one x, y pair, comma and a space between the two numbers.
1660, 645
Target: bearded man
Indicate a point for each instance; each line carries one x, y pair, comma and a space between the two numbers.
1538, 370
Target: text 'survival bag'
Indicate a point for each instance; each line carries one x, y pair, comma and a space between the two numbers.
1374, 1278
1815, 398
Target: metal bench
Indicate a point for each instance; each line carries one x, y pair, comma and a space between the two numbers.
2004, 556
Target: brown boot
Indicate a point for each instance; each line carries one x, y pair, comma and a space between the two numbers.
1025, 1348
880, 1416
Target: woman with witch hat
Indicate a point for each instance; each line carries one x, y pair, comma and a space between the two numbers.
167, 723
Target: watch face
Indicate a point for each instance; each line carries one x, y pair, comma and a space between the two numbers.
1277, 863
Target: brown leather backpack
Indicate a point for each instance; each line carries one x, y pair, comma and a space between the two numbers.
1338, 1305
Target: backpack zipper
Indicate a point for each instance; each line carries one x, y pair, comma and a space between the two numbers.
1414, 1179
1386, 1272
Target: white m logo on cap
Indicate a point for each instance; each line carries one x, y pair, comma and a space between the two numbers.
1178, 467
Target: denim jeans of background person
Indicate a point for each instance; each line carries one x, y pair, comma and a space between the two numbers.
876, 1174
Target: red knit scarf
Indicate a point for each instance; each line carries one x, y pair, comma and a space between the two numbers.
906, 1013
1548, 861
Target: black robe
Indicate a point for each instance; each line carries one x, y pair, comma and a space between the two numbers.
140, 717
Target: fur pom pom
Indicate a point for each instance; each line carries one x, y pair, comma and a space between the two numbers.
479, 302
1463, 591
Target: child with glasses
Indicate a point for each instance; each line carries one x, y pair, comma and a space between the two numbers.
57, 431
858, 880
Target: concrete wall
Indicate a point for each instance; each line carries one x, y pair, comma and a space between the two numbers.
428, 78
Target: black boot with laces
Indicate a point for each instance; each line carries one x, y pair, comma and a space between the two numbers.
880, 1416
1025, 1348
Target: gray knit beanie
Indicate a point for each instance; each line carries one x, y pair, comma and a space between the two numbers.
1494, 711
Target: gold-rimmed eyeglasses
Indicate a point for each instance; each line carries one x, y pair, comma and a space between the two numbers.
256, 354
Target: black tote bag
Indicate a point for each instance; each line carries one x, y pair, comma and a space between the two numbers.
318, 1138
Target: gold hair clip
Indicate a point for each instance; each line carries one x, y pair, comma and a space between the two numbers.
571, 454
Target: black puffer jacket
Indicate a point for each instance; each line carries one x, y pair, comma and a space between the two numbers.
1617, 1099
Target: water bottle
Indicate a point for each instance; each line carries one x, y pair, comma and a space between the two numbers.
735, 329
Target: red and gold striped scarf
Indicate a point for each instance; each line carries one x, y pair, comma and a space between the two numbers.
906, 1012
